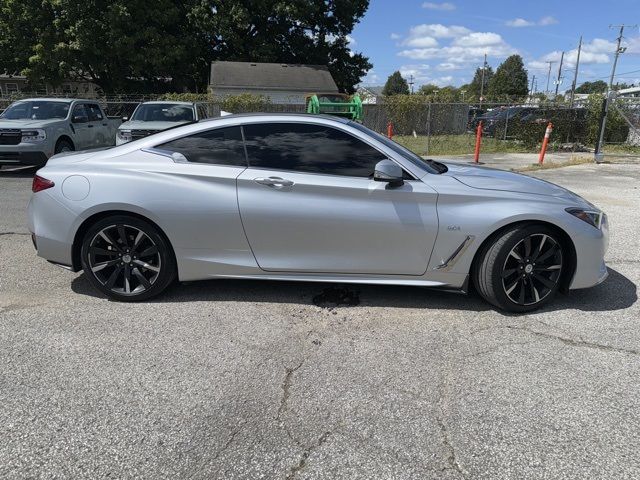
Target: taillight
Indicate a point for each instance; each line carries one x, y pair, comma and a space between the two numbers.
40, 183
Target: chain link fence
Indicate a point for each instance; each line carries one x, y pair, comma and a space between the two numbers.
449, 129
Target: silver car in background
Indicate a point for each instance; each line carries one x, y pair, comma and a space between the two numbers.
153, 117
309, 198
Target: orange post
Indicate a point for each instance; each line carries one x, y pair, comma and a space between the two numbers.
390, 130
545, 141
476, 155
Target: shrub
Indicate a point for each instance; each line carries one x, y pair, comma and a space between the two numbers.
244, 103
186, 97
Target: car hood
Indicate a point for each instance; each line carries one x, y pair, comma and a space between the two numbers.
28, 123
140, 125
492, 179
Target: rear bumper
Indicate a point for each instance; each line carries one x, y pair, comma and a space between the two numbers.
35, 158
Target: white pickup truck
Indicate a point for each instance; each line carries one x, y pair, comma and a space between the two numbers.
153, 117
32, 130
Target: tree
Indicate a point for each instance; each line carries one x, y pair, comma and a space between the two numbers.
396, 85
128, 45
510, 79
599, 86
285, 31
448, 94
473, 89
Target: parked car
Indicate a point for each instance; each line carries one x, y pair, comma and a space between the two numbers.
32, 130
309, 198
500, 123
153, 117
484, 117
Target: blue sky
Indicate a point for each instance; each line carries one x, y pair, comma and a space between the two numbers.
443, 42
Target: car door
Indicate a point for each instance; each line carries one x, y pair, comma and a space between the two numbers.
99, 127
80, 127
308, 204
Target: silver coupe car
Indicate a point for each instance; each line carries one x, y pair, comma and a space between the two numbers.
309, 198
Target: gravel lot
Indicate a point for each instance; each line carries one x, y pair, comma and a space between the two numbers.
241, 379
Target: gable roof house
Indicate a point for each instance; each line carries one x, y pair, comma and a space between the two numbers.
281, 83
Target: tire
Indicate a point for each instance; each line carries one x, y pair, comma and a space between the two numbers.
127, 259
63, 145
520, 270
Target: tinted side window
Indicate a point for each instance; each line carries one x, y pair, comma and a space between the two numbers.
80, 112
222, 146
95, 113
309, 148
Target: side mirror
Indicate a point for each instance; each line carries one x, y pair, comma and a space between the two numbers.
388, 171
124, 119
79, 119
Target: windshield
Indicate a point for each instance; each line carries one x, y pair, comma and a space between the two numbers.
36, 110
417, 160
163, 112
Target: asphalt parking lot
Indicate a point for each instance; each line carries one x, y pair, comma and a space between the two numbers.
242, 379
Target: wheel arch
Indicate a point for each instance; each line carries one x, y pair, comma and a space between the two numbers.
567, 244
89, 221
65, 138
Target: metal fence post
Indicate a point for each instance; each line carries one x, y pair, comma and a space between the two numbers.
428, 129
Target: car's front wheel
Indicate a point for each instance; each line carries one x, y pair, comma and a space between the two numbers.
127, 258
521, 269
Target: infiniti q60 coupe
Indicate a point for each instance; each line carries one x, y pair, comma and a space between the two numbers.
309, 198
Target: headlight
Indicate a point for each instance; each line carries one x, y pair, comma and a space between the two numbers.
595, 218
124, 135
34, 136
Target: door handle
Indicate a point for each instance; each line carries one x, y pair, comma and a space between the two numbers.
275, 182
89, 126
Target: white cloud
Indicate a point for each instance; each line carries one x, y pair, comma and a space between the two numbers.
464, 46
421, 42
597, 51
421, 75
351, 41
479, 39
371, 78
394, 36
446, 66
548, 20
521, 22
437, 30
445, 6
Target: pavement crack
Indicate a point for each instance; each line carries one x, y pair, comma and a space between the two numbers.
14, 233
441, 405
576, 343
306, 453
286, 387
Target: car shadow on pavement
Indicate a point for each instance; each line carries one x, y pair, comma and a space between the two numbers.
616, 293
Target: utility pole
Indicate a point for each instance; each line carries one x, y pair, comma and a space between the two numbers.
533, 81
605, 109
411, 82
549, 75
484, 67
575, 74
559, 80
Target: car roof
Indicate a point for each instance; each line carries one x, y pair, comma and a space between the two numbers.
165, 102
283, 116
51, 100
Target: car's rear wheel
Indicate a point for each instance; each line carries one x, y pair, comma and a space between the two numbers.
521, 269
127, 258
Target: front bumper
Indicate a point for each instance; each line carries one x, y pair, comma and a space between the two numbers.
591, 246
35, 158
